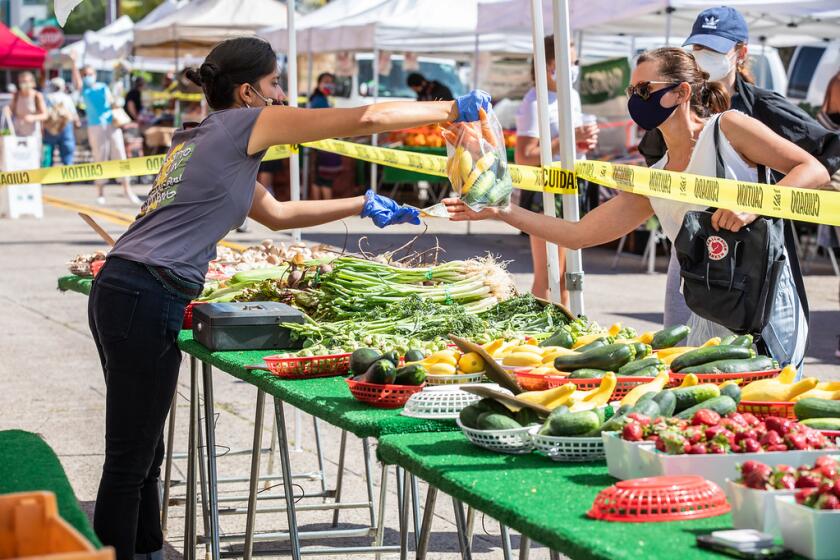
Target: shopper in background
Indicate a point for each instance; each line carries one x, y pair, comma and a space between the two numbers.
106, 140
719, 43
327, 165
528, 153
29, 109
428, 90
134, 98
61, 119
668, 91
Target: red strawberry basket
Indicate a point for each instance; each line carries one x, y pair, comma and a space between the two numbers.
381, 395
717, 378
764, 409
308, 367
623, 384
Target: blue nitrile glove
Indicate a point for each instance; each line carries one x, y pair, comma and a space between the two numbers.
469, 104
385, 212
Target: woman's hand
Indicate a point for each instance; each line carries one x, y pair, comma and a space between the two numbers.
732, 221
385, 211
460, 212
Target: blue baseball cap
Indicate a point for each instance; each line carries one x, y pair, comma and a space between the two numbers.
719, 29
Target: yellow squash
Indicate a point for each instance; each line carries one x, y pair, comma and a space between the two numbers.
441, 368
656, 385
522, 359
587, 338
596, 397
712, 342
470, 363
550, 398
818, 393
646, 337
614, 329
777, 389
689, 380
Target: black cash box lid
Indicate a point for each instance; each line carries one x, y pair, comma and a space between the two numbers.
251, 313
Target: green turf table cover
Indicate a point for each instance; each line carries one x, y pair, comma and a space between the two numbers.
542, 499
28, 464
327, 398
73, 283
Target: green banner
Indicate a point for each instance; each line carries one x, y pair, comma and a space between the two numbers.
604, 80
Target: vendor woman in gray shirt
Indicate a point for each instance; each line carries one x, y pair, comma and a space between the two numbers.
205, 188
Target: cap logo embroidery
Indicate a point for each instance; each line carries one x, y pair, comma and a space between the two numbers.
710, 22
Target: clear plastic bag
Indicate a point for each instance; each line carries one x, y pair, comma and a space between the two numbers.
477, 162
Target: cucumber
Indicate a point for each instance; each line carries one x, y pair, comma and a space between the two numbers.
732, 391
362, 359
822, 423
637, 364
690, 396
625, 408
667, 402
414, 356
723, 405
492, 405
587, 373
608, 358
710, 354
642, 350
759, 363
816, 408
546, 427
527, 416
469, 415
727, 340
597, 343
614, 424
479, 189
415, 374
646, 397
392, 357
381, 372
744, 341
573, 423
561, 337
670, 336
648, 407
496, 421
647, 371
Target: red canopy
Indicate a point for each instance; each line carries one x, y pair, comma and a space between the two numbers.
17, 53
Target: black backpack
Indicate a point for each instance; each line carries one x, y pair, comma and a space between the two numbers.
731, 278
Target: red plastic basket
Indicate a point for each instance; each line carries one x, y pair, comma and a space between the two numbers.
96, 266
382, 396
832, 434
309, 367
718, 378
188, 315
623, 385
763, 409
531, 381
660, 498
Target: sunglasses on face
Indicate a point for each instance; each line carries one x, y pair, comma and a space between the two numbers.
642, 89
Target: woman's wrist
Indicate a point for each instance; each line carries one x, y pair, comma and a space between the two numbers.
453, 111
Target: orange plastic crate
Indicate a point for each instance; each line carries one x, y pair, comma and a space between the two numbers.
30, 526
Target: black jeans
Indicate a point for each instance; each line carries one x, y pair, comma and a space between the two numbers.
135, 314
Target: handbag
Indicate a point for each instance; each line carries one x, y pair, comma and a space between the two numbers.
731, 278
119, 118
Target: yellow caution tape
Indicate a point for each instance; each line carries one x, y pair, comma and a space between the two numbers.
178, 95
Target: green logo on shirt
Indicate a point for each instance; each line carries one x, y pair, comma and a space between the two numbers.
168, 178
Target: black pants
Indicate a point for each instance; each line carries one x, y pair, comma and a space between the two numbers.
135, 314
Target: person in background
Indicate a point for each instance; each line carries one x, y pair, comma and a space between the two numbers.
134, 98
327, 165
527, 152
428, 90
29, 109
106, 140
719, 41
61, 119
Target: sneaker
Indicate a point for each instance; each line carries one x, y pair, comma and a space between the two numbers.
100, 200
134, 199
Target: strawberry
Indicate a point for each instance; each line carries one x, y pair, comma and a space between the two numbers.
750, 419
640, 418
772, 437
781, 425
705, 417
749, 466
697, 449
835, 489
718, 448
779, 447
713, 431
828, 471
796, 441
737, 418
759, 477
694, 435
825, 460
747, 434
632, 432
827, 501
785, 482
808, 481
750, 445
804, 495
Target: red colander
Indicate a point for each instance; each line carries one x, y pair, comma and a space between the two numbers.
660, 498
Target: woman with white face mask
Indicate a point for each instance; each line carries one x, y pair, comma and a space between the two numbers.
719, 41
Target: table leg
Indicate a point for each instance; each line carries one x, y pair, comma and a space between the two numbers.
202, 482
320, 454
286, 469
426, 527
415, 504
406, 495
339, 478
470, 524
272, 451
212, 480
554, 555
189, 516
167, 469
380, 526
255, 476
524, 547
506, 551
398, 475
369, 480
461, 528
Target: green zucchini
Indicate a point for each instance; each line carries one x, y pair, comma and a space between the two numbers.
597, 343
723, 405
648, 407
573, 423
608, 358
560, 337
745, 341
816, 408
759, 363
469, 415
480, 188
710, 354
362, 359
642, 350
393, 357
614, 424
727, 340
687, 397
667, 402
822, 423
414, 356
670, 336
527, 416
587, 373
546, 427
382, 372
496, 421
414, 374
630, 367
647, 371
733, 391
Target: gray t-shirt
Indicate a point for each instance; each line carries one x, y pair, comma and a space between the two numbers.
203, 190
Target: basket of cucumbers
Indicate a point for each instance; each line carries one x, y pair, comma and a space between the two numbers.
491, 425
380, 382
572, 436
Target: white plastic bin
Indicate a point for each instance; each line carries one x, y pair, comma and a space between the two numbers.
810, 532
755, 509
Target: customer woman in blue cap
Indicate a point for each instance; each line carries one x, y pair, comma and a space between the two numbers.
719, 41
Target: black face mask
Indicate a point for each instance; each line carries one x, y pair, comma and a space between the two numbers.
649, 113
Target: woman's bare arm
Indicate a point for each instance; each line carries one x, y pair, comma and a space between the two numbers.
277, 215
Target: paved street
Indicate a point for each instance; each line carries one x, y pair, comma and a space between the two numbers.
52, 383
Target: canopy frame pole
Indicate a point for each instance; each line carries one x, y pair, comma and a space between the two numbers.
476, 54
305, 153
565, 125
545, 139
374, 138
294, 159
669, 10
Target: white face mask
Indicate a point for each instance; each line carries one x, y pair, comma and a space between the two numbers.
575, 72
718, 65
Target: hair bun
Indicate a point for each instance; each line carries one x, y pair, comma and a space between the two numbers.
194, 76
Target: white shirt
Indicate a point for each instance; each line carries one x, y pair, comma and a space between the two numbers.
527, 123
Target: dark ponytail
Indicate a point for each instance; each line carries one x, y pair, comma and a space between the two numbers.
231, 63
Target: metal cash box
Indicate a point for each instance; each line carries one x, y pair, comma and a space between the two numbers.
245, 326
